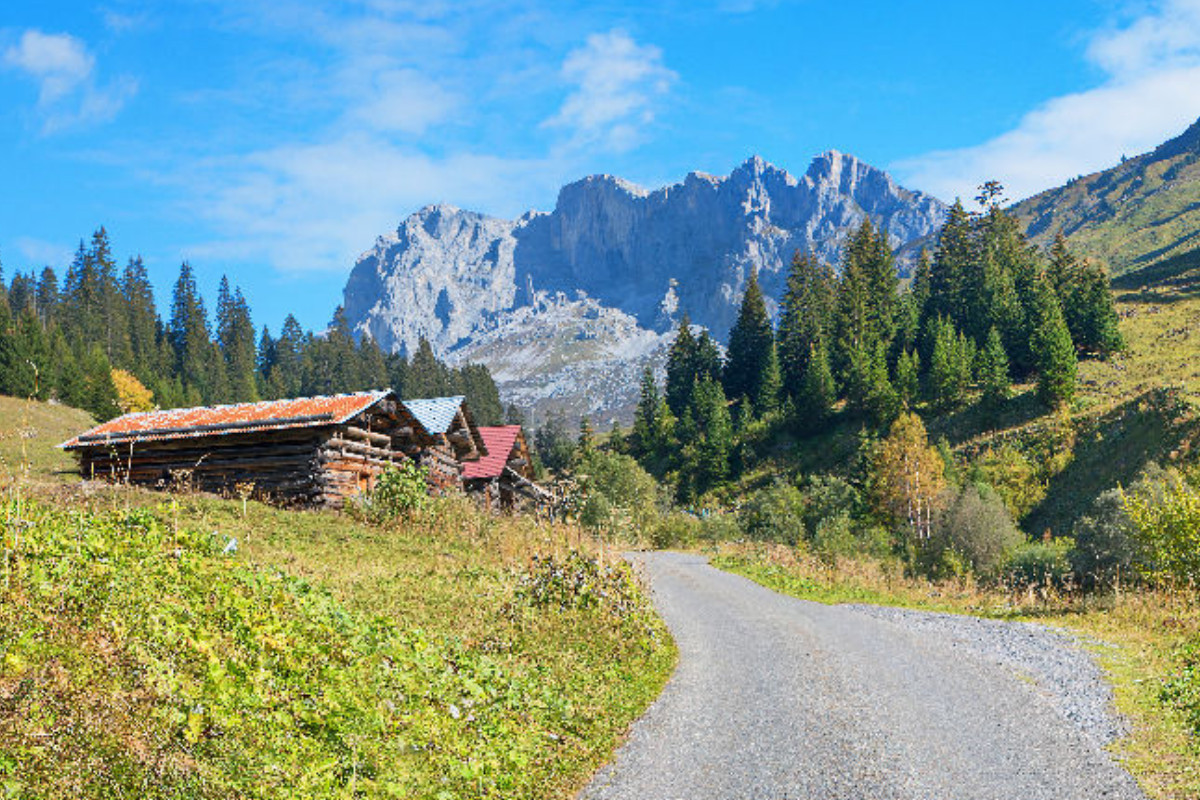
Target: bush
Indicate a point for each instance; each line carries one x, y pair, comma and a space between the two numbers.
578, 581
398, 492
619, 496
1107, 551
1168, 530
773, 514
829, 497
676, 529
1039, 564
976, 525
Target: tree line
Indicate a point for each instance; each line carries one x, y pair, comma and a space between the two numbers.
97, 341
985, 309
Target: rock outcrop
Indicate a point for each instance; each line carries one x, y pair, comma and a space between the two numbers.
462, 279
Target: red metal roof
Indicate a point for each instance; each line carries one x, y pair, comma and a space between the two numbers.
499, 442
186, 423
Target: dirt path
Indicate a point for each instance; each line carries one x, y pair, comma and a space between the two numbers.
781, 698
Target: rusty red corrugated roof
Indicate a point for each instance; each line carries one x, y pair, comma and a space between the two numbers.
185, 423
499, 442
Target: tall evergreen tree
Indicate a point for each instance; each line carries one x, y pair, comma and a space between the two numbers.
681, 367
993, 371
716, 435
806, 317
235, 337
47, 297
188, 334
750, 343
1052, 348
141, 321
770, 385
952, 261
818, 392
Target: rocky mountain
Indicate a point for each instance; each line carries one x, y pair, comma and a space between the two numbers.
1142, 211
616, 263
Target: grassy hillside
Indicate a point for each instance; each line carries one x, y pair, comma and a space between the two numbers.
1137, 213
453, 655
29, 434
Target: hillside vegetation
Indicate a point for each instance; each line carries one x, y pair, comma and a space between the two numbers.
184, 646
1142, 211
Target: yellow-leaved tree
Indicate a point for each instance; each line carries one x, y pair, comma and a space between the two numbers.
908, 476
131, 394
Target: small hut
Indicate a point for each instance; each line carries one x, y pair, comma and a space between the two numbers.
505, 475
447, 436
312, 450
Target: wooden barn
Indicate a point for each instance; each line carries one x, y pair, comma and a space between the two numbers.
504, 476
446, 437
313, 450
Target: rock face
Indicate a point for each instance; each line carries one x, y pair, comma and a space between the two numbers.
461, 279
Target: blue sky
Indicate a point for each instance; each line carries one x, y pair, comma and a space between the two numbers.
274, 141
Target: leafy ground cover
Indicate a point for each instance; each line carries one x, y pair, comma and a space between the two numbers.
1146, 641
184, 646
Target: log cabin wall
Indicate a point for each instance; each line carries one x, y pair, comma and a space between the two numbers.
312, 451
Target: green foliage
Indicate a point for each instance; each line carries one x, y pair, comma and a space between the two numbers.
399, 491
1053, 350
805, 322
750, 342
1013, 476
554, 443
993, 372
1181, 689
1168, 530
1107, 550
950, 365
1039, 565
976, 527
620, 498
817, 393
773, 514
579, 581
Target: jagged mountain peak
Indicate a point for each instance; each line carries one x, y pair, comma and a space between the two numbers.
459, 278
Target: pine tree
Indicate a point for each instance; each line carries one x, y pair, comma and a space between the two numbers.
993, 371
908, 378
111, 308
586, 443
141, 320
817, 393
643, 440
950, 366
426, 376
235, 336
681, 367
189, 336
952, 261
716, 435
750, 343
806, 317
1053, 351
286, 371
47, 297
770, 385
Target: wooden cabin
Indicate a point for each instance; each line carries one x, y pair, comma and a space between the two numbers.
447, 437
312, 450
504, 477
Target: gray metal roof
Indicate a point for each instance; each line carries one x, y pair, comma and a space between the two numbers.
436, 414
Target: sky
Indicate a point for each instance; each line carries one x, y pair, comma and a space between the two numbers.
273, 142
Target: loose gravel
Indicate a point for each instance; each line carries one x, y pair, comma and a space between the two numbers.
780, 698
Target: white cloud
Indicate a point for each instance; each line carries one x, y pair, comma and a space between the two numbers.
617, 85
39, 252
1151, 93
313, 208
68, 94
404, 100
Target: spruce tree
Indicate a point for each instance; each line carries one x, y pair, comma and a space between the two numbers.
818, 392
235, 336
286, 371
750, 343
716, 435
189, 336
642, 441
47, 297
908, 378
1053, 351
952, 261
681, 367
806, 316
770, 385
141, 320
993, 371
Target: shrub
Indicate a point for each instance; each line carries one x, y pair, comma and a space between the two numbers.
829, 497
1107, 551
398, 492
578, 581
1039, 564
676, 529
976, 525
1014, 477
619, 497
773, 514
1168, 529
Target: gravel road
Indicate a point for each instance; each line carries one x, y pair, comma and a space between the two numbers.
781, 699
